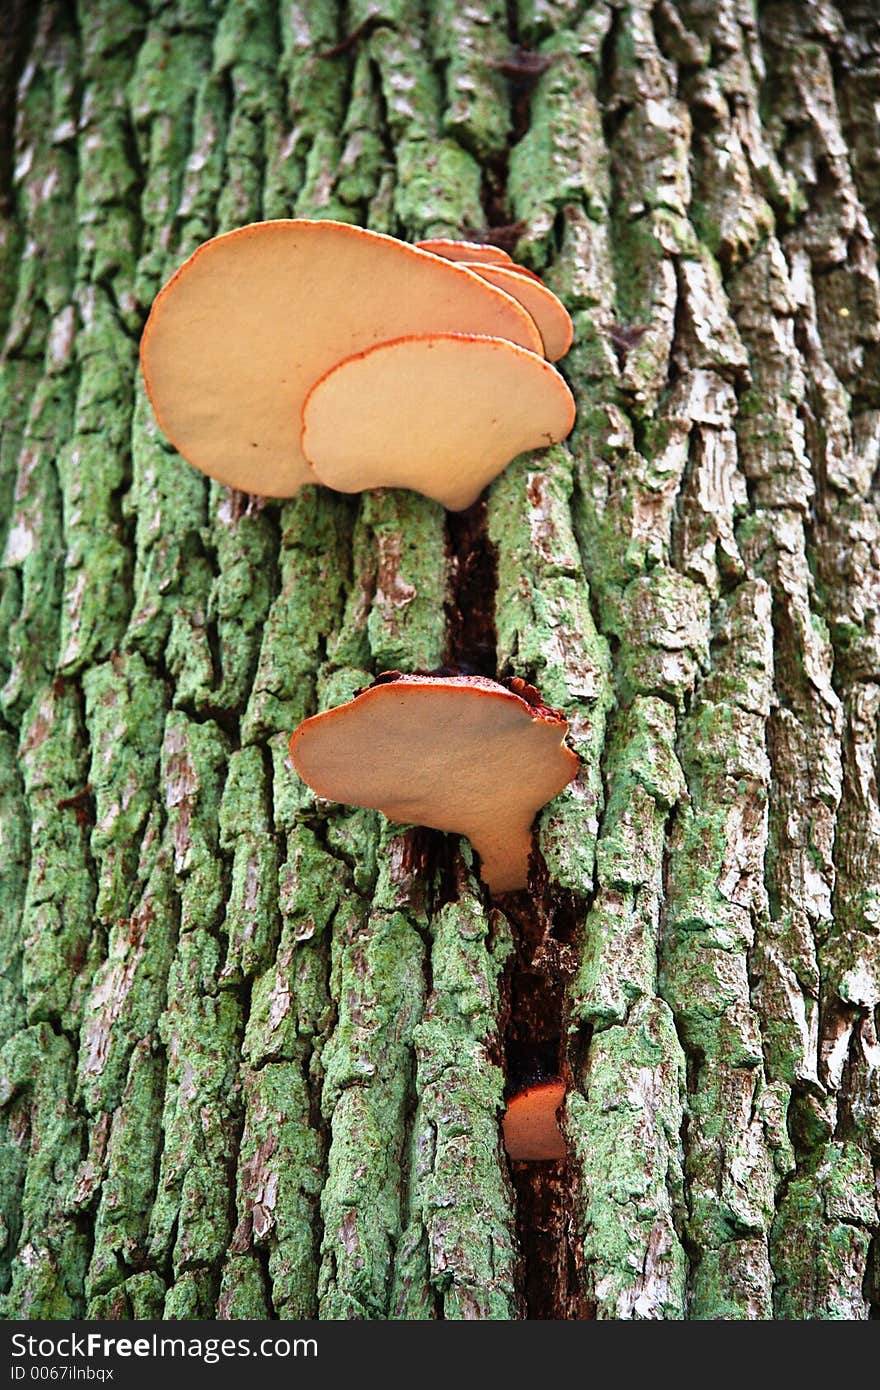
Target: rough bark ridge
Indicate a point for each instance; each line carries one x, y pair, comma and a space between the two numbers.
254, 1050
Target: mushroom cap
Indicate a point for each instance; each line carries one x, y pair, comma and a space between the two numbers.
243, 330
531, 1129
550, 314
458, 753
514, 267
465, 251
442, 414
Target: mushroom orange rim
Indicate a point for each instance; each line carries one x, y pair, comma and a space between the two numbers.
439, 413
254, 317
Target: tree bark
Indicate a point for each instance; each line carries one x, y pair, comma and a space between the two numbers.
255, 1047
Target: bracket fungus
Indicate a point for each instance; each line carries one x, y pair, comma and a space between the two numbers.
530, 1126
240, 334
457, 753
441, 414
511, 266
550, 314
465, 251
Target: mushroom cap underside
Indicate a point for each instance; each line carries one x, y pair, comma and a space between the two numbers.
452, 753
550, 314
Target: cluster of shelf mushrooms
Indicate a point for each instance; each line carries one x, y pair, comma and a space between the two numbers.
294, 352
299, 352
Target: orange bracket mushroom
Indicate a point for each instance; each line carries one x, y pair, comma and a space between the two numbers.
457, 753
242, 332
465, 251
496, 266
550, 314
530, 1124
441, 414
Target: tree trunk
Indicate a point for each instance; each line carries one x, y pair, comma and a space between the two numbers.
256, 1047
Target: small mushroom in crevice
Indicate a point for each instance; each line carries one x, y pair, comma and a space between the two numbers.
530, 1124
441, 414
457, 753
